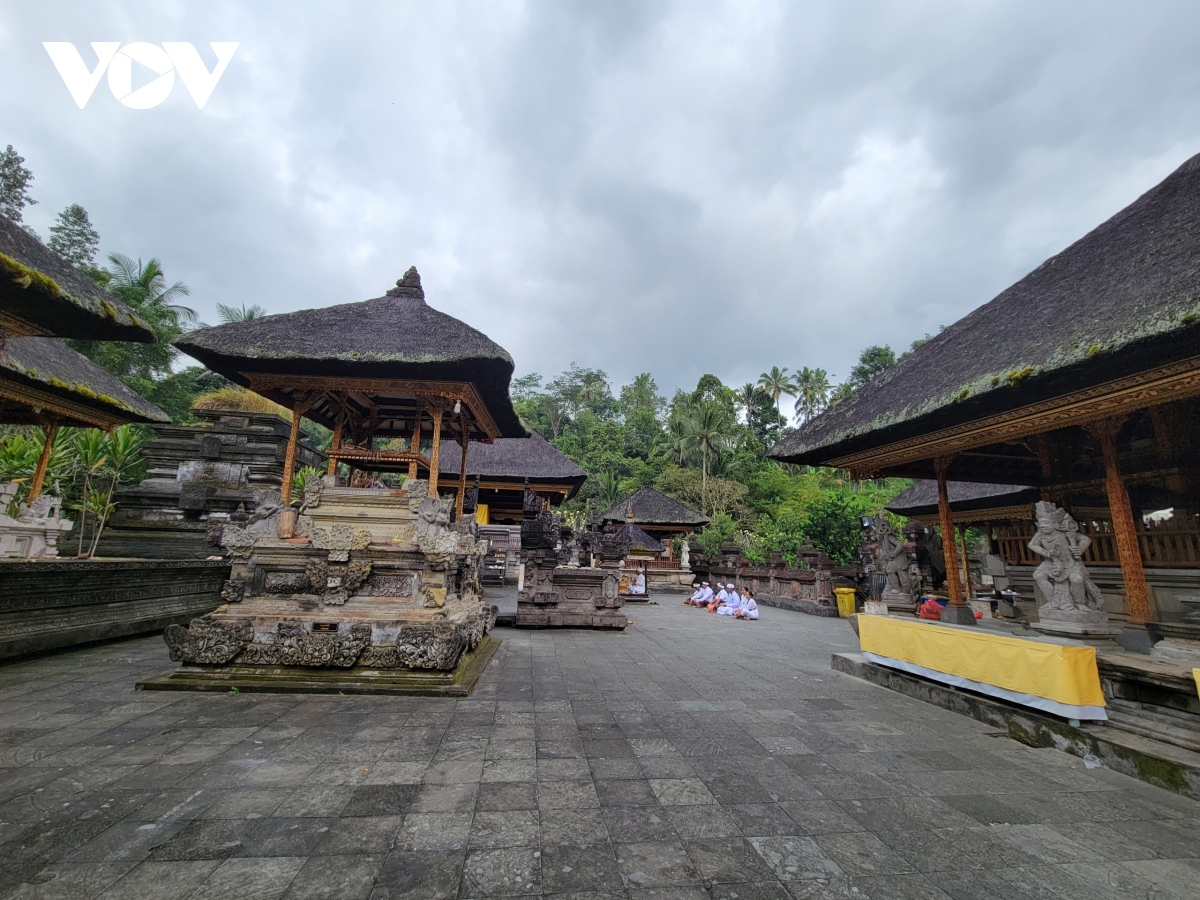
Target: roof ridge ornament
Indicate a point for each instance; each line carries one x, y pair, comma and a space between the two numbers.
409, 285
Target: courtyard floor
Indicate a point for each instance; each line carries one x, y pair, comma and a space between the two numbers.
690, 757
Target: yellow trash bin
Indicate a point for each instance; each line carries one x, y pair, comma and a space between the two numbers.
845, 601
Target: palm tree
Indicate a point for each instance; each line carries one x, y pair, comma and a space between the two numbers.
708, 432
610, 488
243, 313
776, 383
745, 397
813, 388
150, 284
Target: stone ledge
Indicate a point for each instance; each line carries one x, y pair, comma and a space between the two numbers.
794, 604
1154, 762
301, 680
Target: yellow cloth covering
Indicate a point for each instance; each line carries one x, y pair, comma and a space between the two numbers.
1064, 674
1196, 675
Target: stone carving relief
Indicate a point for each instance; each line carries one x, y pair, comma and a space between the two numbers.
206, 641
292, 645
336, 583
233, 591
378, 585
339, 540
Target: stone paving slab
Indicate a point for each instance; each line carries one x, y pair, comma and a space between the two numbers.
689, 757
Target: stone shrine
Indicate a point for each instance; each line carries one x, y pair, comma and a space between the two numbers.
34, 532
197, 475
551, 594
356, 588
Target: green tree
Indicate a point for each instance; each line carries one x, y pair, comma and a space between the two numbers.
14, 184
832, 524
871, 362
776, 383
73, 238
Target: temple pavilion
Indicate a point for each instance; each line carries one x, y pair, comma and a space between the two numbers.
657, 515
501, 469
44, 382
356, 586
1082, 380
389, 368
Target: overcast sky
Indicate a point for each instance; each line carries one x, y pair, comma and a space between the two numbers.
677, 188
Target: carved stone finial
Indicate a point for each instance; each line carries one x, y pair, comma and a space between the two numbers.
409, 285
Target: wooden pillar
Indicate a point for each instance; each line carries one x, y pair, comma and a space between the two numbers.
416, 444
962, 530
1129, 551
462, 475
39, 474
435, 453
336, 444
289, 458
949, 544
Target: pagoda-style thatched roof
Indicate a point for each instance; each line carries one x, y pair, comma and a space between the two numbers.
513, 460
1123, 299
43, 381
396, 337
43, 294
638, 539
651, 507
921, 499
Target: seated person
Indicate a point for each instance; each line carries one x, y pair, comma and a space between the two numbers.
749, 608
696, 591
704, 597
719, 599
732, 604
638, 584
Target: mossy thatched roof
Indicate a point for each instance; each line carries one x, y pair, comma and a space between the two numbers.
513, 459
53, 371
43, 294
1124, 298
638, 539
651, 507
396, 336
921, 499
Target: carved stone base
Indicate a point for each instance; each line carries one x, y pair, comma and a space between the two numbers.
570, 597
899, 602
1177, 650
1098, 635
458, 682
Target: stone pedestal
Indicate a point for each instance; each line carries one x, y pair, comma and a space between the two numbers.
1180, 641
957, 615
1088, 625
373, 580
899, 602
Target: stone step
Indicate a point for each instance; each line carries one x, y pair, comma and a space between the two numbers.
1170, 726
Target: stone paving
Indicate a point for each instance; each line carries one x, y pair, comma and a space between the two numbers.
689, 757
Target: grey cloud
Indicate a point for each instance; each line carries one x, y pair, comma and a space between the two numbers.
674, 187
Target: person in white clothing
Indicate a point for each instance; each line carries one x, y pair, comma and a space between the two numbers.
639, 583
732, 604
749, 609
696, 590
720, 598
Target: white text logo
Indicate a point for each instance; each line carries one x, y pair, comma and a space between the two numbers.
164, 61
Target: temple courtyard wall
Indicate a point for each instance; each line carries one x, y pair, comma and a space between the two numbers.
688, 756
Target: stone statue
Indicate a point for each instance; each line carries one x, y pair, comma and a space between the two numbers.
1072, 602
1061, 576
891, 560
685, 556
433, 518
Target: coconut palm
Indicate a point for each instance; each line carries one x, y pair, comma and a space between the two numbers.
708, 432
776, 383
149, 282
745, 397
812, 392
609, 488
243, 313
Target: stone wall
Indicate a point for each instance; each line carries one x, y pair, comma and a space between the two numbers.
52, 604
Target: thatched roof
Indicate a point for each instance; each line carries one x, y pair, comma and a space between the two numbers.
650, 507
67, 386
1124, 298
43, 294
512, 459
639, 539
396, 336
921, 499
